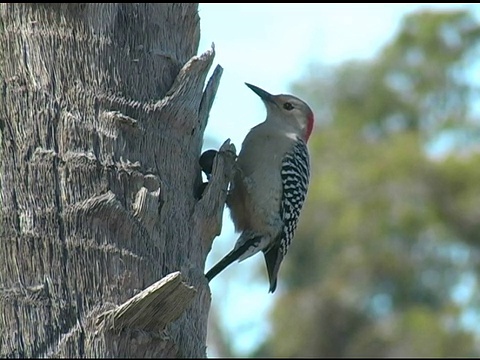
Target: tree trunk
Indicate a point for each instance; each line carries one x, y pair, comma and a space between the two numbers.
102, 115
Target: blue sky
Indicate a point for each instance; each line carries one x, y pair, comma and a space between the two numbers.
271, 45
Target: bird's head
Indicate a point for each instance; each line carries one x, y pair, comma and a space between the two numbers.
287, 110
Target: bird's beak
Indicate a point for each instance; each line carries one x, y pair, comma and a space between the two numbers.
265, 96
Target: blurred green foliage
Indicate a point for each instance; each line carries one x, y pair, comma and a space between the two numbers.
386, 256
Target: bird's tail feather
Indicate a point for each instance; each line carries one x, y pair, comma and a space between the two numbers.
229, 258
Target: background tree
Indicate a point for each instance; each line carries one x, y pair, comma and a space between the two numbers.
386, 256
102, 115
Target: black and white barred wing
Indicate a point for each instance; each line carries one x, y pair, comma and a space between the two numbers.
295, 178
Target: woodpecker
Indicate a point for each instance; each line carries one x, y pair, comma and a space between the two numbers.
206, 162
270, 183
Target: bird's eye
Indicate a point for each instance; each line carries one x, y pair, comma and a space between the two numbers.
288, 106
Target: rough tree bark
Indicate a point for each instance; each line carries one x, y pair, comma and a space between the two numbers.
102, 113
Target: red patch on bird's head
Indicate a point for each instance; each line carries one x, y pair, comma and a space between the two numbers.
310, 121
